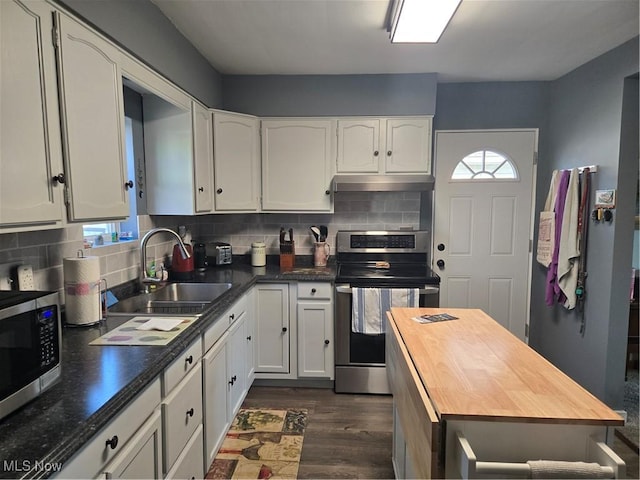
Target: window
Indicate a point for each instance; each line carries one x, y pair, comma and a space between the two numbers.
485, 165
97, 234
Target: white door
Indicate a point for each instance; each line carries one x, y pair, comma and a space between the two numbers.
483, 222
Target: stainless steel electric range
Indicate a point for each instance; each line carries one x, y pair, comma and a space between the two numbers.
380, 260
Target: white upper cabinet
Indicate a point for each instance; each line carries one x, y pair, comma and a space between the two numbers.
297, 159
90, 87
236, 162
202, 157
30, 150
178, 145
384, 145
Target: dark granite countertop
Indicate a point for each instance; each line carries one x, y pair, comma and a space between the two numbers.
98, 381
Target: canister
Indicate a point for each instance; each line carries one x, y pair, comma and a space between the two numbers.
258, 254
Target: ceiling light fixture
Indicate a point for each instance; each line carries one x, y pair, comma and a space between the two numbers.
421, 21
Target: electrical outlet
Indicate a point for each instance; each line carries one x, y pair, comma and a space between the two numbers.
5, 283
25, 278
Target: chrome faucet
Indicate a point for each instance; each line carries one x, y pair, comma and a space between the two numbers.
144, 279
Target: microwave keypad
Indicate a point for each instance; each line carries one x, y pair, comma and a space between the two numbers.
47, 342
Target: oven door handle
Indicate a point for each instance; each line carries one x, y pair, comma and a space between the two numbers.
427, 290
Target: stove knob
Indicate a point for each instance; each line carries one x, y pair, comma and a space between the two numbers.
440, 264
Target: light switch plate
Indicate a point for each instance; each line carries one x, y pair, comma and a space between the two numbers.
25, 278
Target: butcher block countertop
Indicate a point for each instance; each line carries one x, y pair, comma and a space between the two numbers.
473, 368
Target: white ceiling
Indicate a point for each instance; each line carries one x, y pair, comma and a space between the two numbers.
487, 40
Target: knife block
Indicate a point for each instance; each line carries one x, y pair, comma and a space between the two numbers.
287, 255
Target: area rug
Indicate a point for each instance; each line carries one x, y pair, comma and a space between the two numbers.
261, 444
630, 432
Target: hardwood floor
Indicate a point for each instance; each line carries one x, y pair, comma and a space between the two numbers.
349, 436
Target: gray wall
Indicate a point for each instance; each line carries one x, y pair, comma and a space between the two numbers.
585, 127
318, 95
140, 27
492, 105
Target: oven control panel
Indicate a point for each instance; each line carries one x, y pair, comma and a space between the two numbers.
387, 241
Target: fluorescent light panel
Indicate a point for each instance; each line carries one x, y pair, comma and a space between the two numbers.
422, 21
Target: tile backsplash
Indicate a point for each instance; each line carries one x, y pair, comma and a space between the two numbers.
119, 263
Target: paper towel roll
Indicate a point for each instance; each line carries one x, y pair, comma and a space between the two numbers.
82, 290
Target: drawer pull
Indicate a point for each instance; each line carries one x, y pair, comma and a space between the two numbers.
249, 338
326, 342
232, 316
313, 291
233, 380
284, 329
189, 359
112, 443
190, 412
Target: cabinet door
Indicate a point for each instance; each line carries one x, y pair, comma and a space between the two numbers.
202, 158
216, 420
181, 415
142, 456
92, 121
30, 150
189, 463
315, 339
237, 162
236, 365
358, 146
408, 145
250, 324
297, 158
272, 328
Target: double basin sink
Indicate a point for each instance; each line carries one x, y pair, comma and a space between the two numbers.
171, 299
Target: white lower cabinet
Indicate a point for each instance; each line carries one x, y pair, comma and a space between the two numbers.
127, 445
142, 456
189, 463
236, 365
216, 418
315, 330
181, 416
272, 329
227, 372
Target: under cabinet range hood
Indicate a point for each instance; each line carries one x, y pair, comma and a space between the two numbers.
383, 183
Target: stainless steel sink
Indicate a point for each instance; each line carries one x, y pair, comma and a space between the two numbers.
172, 299
191, 292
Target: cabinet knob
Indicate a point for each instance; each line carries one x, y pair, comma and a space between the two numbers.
219, 190
249, 338
189, 359
58, 178
190, 412
388, 153
201, 189
327, 192
313, 290
440, 247
284, 329
376, 153
326, 342
112, 443
128, 185
440, 264
232, 316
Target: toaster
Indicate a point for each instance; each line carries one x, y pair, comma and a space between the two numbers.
218, 253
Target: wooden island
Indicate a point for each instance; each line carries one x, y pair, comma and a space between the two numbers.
471, 400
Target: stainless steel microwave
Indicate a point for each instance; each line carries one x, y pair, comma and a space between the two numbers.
30, 346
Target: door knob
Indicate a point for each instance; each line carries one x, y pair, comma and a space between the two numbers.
440, 264
440, 247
